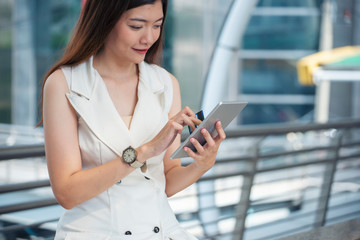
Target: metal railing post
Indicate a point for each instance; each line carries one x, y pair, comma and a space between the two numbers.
244, 202
326, 186
205, 202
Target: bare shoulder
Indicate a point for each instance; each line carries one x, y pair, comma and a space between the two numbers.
175, 82
54, 95
55, 104
56, 82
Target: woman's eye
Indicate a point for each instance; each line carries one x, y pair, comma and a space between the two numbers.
157, 26
135, 27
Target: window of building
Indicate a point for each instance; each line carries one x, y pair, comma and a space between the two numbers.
280, 32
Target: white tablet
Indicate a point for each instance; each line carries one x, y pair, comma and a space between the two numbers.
224, 112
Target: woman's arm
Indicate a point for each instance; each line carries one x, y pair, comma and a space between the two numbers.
178, 177
72, 185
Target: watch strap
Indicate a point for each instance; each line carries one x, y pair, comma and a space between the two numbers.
136, 164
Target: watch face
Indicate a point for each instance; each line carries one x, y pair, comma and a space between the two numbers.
129, 155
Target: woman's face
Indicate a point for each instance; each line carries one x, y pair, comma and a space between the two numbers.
135, 32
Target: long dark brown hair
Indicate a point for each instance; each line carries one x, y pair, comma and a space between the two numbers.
96, 21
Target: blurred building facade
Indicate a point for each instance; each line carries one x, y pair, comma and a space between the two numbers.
280, 32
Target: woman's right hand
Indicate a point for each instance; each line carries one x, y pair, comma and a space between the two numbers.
175, 125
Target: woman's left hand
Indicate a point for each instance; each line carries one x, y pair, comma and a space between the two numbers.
205, 156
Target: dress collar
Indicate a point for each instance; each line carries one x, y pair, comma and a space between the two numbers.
86, 70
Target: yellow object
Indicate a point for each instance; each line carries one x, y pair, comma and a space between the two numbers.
307, 65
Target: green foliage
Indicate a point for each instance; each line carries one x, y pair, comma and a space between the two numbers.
59, 40
5, 38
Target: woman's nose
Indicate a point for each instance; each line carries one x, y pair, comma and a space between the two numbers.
148, 37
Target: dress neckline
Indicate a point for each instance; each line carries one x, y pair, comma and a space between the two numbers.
126, 122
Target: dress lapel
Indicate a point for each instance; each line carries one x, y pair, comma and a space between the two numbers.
100, 118
149, 112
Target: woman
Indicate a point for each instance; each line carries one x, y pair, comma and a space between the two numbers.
111, 119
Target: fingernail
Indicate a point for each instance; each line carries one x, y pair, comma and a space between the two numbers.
203, 131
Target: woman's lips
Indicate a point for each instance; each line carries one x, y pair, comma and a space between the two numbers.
140, 51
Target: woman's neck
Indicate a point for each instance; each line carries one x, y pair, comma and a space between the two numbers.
110, 65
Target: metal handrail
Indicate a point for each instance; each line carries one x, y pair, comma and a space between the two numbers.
15, 152
22, 151
21, 227
24, 186
281, 129
28, 205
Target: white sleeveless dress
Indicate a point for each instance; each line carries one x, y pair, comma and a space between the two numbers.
136, 207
